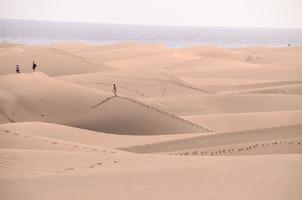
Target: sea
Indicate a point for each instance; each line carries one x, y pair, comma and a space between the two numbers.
46, 32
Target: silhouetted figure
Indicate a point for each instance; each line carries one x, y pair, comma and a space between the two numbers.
18, 69
114, 89
34, 66
288, 45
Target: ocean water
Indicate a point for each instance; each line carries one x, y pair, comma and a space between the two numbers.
45, 32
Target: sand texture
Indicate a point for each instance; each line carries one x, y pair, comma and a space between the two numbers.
187, 123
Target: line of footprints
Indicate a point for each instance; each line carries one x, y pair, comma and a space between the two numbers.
238, 150
76, 147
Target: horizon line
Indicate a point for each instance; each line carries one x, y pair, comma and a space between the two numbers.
138, 24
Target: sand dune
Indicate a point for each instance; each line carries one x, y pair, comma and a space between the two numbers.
49, 172
31, 162
245, 85
288, 89
71, 47
153, 61
6, 49
279, 56
121, 51
255, 136
219, 104
113, 116
139, 84
274, 73
96, 110
210, 63
37, 97
186, 123
61, 134
51, 61
83, 179
242, 121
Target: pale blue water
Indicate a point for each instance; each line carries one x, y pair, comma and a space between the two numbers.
45, 32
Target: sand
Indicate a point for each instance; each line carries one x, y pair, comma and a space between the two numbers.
187, 123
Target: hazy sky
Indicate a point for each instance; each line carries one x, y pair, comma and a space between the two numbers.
226, 13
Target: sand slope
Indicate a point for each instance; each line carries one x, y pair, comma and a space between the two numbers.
188, 123
88, 179
242, 121
55, 101
56, 173
219, 104
61, 134
123, 115
272, 136
37, 97
51, 61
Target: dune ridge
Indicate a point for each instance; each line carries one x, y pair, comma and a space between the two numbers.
166, 123
220, 139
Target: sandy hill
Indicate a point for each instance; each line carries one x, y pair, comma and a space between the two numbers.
121, 51
219, 104
71, 47
274, 73
51, 61
136, 84
247, 86
123, 115
38, 97
55, 101
215, 52
153, 61
248, 140
243, 121
60, 134
58, 169
6, 49
290, 89
274, 56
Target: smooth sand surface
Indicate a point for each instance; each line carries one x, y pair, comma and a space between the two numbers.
187, 123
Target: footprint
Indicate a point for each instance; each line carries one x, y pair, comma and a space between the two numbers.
69, 168
99, 163
54, 143
6, 131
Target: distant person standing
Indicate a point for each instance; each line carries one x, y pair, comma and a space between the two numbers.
34, 66
17, 69
114, 89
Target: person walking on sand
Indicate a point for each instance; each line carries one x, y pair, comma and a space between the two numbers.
17, 69
34, 66
114, 89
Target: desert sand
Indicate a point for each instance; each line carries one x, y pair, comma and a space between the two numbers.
187, 123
